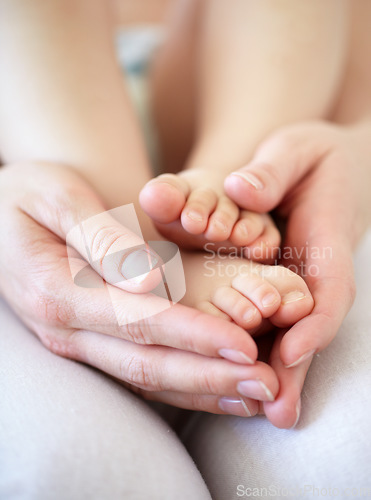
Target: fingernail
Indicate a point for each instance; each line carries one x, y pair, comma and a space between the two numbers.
251, 179
195, 216
255, 389
137, 265
235, 356
293, 297
302, 358
269, 300
234, 406
298, 408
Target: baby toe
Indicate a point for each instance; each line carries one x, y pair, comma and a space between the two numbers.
295, 305
242, 311
248, 228
266, 247
195, 215
209, 308
222, 220
259, 291
296, 299
164, 197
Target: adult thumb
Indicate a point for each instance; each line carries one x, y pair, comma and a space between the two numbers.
112, 243
109, 240
280, 163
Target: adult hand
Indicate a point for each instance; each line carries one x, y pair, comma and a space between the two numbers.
175, 357
318, 176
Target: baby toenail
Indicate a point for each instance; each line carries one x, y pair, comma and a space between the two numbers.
220, 225
196, 216
249, 314
242, 228
251, 179
293, 297
269, 300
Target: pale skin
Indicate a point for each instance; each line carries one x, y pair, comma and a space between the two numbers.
87, 152
89, 127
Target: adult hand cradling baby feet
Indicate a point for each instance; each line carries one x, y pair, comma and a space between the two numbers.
305, 171
258, 120
308, 171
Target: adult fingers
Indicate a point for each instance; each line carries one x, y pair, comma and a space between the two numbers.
142, 319
45, 292
279, 163
240, 406
159, 368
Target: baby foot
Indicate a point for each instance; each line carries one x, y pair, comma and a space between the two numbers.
245, 292
191, 209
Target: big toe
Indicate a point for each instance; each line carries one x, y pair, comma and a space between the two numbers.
296, 299
164, 197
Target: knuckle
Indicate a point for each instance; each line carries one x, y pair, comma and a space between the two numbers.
136, 333
52, 309
103, 241
207, 384
137, 372
196, 401
274, 173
